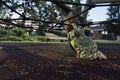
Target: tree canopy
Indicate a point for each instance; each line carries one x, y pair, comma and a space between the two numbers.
35, 9
39, 10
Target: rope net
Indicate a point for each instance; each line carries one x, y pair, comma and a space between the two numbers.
88, 6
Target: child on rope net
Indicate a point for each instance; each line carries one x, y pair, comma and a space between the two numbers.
84, 46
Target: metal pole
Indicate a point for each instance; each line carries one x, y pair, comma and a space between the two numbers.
103, 1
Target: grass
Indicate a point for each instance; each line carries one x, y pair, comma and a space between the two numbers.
108, 41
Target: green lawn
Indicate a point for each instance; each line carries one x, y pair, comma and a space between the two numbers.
107, 41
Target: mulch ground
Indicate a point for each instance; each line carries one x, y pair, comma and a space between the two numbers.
50, 61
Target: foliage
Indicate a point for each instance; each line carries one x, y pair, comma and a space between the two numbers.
40, 31
76, 8
36, 10
113, 13
18, 34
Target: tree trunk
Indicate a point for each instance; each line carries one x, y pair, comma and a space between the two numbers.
62, 6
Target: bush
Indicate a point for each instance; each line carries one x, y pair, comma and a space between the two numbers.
18, 34
15, 34
11, 38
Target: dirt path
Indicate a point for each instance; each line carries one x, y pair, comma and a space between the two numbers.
47, 61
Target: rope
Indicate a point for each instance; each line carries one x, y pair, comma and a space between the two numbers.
4, 3
61, 22
6, 21
77, 14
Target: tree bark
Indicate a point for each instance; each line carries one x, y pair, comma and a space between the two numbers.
62, 6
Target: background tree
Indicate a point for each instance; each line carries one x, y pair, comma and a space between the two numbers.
113, 13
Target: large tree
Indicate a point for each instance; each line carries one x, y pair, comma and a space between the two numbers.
37, 10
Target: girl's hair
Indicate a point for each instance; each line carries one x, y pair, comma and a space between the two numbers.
73, 20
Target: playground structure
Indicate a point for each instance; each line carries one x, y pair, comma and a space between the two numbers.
103, 1
87, 6
90, 4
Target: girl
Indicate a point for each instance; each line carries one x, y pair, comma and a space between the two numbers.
84, 46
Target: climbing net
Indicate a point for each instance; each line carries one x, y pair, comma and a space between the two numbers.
90, 6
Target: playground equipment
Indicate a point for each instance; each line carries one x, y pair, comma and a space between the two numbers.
87, 6
103, 1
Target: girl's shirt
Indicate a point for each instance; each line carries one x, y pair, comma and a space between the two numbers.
78, 39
